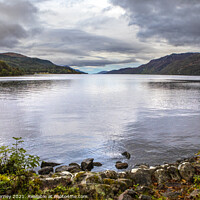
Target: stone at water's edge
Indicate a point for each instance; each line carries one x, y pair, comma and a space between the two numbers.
174, 173
126, 154
87, 164
49, 164
161, 176
45, 170
187, 171
121, 165
97, 164
142, 177
72, 169
108, 184
75, 164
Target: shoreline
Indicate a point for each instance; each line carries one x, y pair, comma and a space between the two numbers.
143, 182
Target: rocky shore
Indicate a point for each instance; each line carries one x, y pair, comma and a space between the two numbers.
179, 180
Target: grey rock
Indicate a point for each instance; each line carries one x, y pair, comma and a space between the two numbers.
142, 164
126, 154
75, 164
45, 170
97, 164
72, 169
94, 178
162, 176
128, 195
49, 164
174, 173
186, 171
142, 177
109, 174
144, 197
121, 165
128, 182
87, 164
96, 191
50, 183
80, 177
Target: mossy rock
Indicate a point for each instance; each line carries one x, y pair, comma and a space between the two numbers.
96, 191
127, 181
117, 185
109, 174
79, 177
95, 178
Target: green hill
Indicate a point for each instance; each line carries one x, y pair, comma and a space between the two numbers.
6, 70
35, 65
174, 64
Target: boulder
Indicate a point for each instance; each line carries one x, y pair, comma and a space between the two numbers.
186, 171
50, 183
109, 174
117, 185
128, 195
45, 170
126, 154
94, 178
75, 164
141, 177
49, 164
97, 164
144, 197
72, 169
121, 165
96, 191
87, 164
161, 176
80, 177
174, 173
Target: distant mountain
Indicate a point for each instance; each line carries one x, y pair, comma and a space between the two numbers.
35, 65
174, 64
6, 70
103, 72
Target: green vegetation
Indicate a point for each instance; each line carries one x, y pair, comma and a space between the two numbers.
6, 70
35, 65
15, 166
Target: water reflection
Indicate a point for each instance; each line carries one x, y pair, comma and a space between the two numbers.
175, 85
155, 118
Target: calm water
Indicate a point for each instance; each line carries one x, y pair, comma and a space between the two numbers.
67, 118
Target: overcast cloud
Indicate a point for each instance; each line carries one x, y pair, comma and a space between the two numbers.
99, 34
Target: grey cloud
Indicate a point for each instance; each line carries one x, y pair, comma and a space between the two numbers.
177, 21
82, 41
17, 19
10, 33
21, 11
99, 63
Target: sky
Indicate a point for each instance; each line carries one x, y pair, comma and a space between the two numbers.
94, 36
